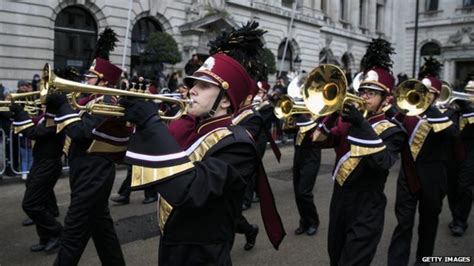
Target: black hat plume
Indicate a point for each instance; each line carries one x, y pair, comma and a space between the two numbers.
105, 44
378, 55
431, 67
245, 45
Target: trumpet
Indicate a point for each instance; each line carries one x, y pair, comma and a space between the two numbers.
52, 84
448, 95
30, 101
411, 97
286, 106
325, 91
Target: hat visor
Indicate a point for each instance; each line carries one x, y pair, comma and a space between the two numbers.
371, 87
189, 81
91, 75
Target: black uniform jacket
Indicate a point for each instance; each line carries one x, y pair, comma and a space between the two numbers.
364, 153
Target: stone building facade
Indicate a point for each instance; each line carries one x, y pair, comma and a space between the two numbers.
63, 32
446, 31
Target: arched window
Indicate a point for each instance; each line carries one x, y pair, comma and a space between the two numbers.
75, 36
287, 61
430, 49
141, 30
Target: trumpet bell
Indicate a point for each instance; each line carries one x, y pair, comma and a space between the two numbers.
325, 90
411, 97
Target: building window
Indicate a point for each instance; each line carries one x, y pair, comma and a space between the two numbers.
431, 5
363, 13
140, 32
75, 36
430, 49
287, 61
342, 9
324, 6
287, 3
467, 3
379, 18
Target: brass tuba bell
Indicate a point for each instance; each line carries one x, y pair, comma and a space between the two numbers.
411, 97
325, 91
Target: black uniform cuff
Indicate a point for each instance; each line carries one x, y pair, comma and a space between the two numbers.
364, 141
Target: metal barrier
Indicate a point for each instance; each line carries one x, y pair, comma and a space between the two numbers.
3, 152
20, 151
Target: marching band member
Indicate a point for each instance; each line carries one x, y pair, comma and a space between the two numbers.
96, 142
428, 136
201, 188
306, 163
462, 187
44, 173
366, 149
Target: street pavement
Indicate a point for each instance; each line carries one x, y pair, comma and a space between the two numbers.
138, 232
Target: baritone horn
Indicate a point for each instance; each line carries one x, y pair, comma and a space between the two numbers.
411, 97
52, 84
286, 106
325, 91
291, 104
447, 95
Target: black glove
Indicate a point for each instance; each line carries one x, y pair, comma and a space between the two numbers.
433, 112
16, 109
464, 106
351, 114
138, 111
55, 101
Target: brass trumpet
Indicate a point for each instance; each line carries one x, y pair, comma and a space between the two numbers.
411, 97
30, 101
286, 106
448, 95
52, 84
325, 91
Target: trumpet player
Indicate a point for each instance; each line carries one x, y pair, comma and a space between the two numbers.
44, 173
460, 194
96, 142
425, 185
366, 148
201, 188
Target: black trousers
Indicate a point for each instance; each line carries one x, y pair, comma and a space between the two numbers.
125, 188
88, 215
39, 202
433, 177
306, 162
356, 220
460, 191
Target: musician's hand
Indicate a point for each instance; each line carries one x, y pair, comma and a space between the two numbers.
433, 112
351, 114
56, 100
16, 109
138, 111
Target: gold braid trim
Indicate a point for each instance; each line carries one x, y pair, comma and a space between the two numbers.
358, 151
351, 163
67, 145
437, 127
346, 169
242, 116
196, 155
142, 175
62, 125
419, 139
102, 146
50, 122
18, 129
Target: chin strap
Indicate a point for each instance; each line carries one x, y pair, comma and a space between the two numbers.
216, 103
